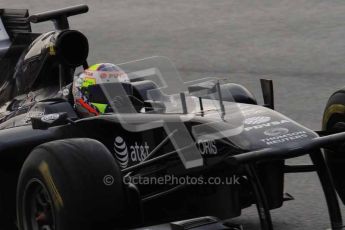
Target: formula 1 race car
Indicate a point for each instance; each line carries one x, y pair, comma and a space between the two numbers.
133, 145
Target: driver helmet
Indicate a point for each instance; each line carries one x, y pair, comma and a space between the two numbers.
88, 100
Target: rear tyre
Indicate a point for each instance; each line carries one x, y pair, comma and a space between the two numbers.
334, 114
69, 184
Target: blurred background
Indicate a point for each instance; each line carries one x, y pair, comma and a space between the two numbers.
297, 43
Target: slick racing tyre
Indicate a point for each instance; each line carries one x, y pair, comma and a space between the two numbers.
334, 115
69, 184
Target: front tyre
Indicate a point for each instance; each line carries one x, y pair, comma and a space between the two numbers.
334, 115
69, 184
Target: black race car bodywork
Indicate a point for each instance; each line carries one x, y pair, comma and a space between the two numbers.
39, 123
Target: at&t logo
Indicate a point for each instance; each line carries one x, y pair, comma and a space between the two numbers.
123, 152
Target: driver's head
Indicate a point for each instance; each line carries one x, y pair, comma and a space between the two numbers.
89, 98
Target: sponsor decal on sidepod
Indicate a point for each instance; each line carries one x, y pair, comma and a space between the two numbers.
121, 151
138, 152
208, 147
124, 153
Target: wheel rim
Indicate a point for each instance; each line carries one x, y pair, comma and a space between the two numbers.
38, 207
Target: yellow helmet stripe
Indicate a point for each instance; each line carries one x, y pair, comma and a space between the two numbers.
101, 107
88, 81
94, 67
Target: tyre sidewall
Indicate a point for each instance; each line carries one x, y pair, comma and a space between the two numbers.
73, 172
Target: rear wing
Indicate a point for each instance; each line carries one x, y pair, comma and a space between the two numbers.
15, 21
15, 37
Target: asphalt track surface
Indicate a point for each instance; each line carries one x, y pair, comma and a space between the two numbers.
297, 43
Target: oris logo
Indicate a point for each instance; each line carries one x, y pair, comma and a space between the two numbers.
208, 147
256, 120
121, 151
276, 131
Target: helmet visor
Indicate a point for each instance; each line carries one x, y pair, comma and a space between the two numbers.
95, 93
